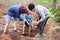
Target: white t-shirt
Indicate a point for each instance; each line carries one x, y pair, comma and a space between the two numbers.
42, 12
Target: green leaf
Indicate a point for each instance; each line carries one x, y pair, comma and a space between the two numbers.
52, 10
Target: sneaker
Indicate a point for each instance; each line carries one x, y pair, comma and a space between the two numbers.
16, 30
4, 33
38, 35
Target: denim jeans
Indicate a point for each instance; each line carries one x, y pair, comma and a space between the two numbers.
42, 26
10, 18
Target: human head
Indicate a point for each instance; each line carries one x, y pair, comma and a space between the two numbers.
31, 7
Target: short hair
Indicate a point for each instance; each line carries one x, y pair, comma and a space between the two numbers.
31, 6
23, 9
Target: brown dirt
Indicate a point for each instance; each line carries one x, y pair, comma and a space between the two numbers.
18, 36
15, 35
56, 34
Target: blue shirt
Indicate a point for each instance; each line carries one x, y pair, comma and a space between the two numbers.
28, 18
14, 11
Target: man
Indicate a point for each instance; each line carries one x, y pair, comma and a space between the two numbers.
43, 14
15, 12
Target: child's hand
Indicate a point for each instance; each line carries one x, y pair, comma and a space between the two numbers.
28, 23
36, 23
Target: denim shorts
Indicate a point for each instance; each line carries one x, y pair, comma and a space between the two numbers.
9, 19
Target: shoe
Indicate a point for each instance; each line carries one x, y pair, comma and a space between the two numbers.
4, 33
38, 35
16, 30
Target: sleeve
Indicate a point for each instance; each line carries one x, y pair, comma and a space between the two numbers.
48, 13
42, 15
25, 18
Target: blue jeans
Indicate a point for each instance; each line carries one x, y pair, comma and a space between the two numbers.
42, 26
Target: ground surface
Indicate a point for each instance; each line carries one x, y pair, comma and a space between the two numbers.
18, 35
48, 31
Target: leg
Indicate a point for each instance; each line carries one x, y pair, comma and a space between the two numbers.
15, 26
29, 30
39, 34
7, 24
15, 22
30, 27
41, 27
24, 24
23, 27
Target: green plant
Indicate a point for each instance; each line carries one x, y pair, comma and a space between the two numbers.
52, 11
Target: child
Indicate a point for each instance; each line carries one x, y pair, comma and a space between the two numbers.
27, 22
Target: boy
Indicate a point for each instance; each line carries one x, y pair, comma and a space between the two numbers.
43, 14
27, 22
15, 12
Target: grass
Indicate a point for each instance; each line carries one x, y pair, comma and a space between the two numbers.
58, 10
56, 17
47, 1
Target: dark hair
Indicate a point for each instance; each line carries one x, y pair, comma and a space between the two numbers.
31, 6
23, 9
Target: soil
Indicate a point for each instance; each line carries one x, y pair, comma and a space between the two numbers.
18, 35
49, 33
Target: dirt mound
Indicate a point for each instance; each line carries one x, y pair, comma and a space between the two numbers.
15, 35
